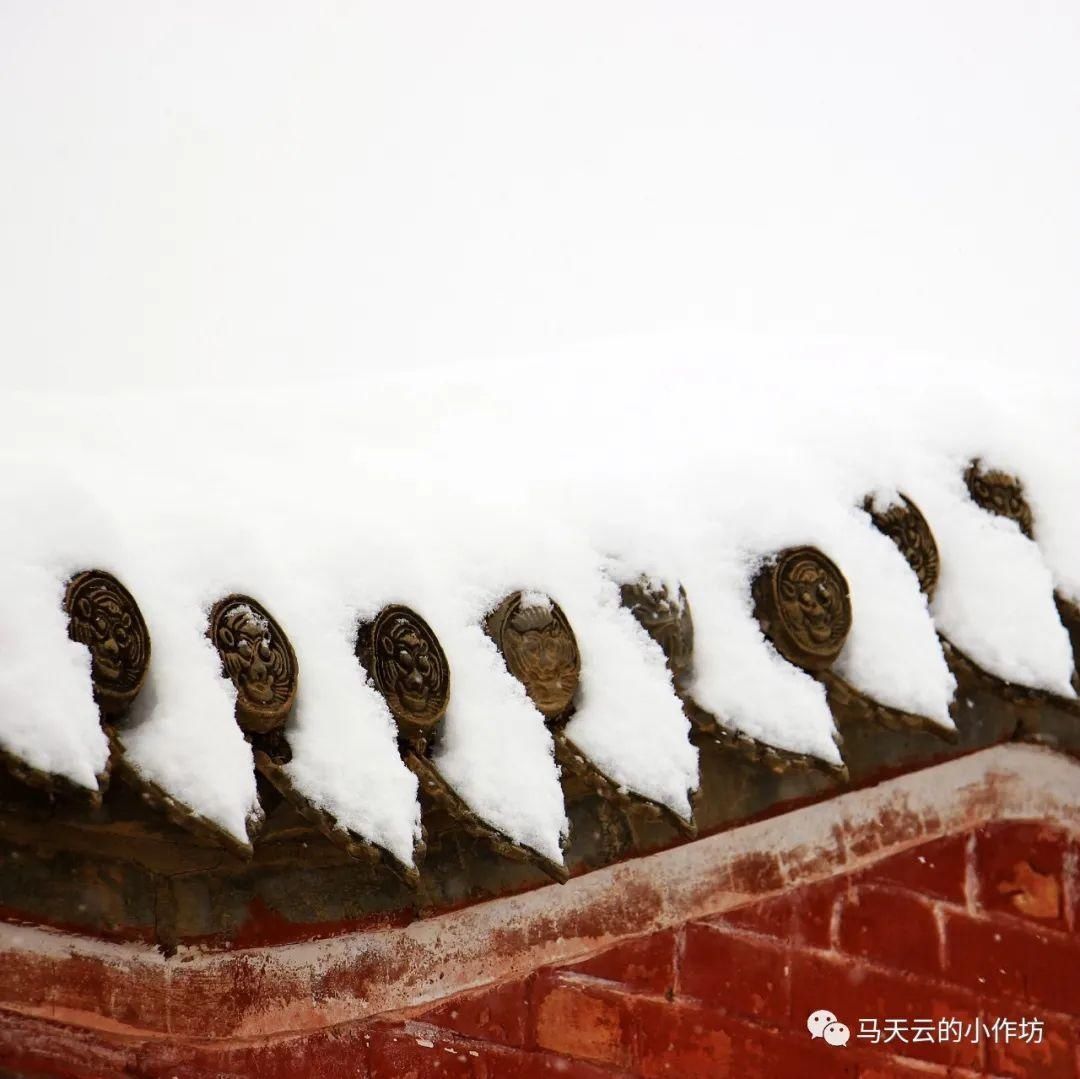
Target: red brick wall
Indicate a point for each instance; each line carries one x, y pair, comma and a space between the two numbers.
975, 927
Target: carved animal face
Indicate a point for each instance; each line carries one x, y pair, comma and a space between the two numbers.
102, 624
256, 667
408, 667
543, 656
667, 620
103, 616
403, 657
811, 602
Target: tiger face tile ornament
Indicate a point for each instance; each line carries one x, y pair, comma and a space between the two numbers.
667, 620
257, 658
802, 603
536, 641
403, 657
405, 662
103, 615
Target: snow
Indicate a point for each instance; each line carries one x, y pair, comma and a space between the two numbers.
366, 306
628, 721
35, 694
325, 506
995, 577
48, 720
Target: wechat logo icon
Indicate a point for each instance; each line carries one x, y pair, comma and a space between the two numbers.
823, 1024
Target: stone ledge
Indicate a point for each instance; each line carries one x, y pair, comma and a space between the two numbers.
199, 994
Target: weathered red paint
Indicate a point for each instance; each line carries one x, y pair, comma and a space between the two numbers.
649, 975
891, 927
937, 869
1020, 868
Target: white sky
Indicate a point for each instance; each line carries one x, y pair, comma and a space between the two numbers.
250, 193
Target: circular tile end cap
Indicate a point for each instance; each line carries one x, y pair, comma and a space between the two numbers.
539, 648
803, 607
103, 615
403, 657
257, 658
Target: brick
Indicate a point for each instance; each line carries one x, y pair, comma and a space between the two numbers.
514, 1064
1006, 959
737, 974
892, 928
406, 1052
1050, 1058
497, 1014
688, 1042
852, 991
1019, 867
324, 1054
937, 869
772, 917
814, 906
801, 914
894, 1068
649, 1036
582, 1020
646, 963
372, 1051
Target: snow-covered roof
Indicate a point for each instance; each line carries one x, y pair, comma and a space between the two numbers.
264, 530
